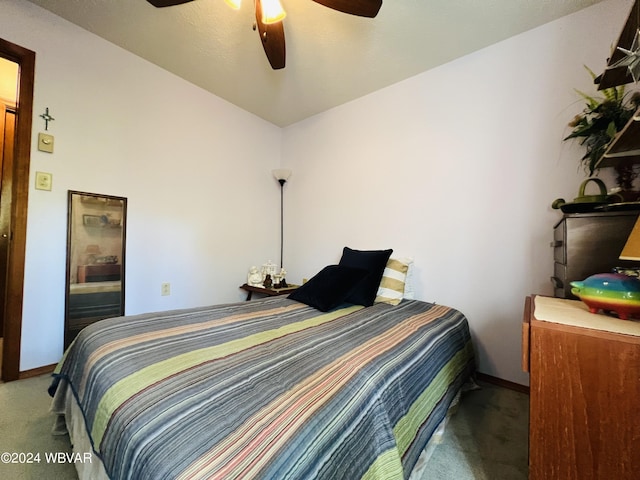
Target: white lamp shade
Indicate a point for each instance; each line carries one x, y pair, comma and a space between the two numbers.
272, 11
281, 174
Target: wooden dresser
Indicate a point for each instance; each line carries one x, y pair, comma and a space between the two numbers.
584, 392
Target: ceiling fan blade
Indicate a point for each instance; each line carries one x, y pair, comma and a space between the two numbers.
167, 3
361, 8
272, 38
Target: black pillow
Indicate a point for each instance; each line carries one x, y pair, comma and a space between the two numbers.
374, 261
329, 287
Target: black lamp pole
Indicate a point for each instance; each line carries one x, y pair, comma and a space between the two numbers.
282, 181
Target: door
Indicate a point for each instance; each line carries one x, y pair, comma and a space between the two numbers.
7, 131
8, 103
15, 198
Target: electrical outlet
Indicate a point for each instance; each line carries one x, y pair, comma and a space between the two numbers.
165, 289
43, 181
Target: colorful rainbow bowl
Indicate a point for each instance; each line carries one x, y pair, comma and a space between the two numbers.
612, 292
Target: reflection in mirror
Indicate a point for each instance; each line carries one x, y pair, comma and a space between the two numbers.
96, 226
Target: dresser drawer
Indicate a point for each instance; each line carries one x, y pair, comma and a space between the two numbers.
559, 281
559, 243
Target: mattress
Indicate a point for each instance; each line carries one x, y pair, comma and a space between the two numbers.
266, 389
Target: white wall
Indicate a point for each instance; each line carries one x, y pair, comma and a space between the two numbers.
196, 171
456, 167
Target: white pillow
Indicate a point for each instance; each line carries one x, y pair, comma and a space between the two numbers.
393, 283
408, 281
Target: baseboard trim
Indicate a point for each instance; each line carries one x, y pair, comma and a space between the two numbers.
35, 372
502, 383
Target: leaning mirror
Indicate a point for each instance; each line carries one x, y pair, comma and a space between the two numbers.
96, 226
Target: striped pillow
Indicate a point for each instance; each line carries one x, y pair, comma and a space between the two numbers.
391, 289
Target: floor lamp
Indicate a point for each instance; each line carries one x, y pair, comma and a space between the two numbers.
282, 175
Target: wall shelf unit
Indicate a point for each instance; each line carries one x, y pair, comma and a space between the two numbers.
613, 77
625, 148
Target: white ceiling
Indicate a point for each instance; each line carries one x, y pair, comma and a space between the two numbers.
332, 57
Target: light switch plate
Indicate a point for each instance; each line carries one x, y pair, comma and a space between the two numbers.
43, 181
45, 142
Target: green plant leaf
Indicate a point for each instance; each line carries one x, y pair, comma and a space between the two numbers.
592, 103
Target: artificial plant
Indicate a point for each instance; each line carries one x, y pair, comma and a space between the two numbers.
598, 124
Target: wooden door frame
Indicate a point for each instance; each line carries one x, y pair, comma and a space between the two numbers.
17, 234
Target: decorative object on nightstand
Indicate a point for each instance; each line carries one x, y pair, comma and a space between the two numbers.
269, 269
610, 292
281, 281
254, 277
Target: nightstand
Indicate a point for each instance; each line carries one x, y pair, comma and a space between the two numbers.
271, 292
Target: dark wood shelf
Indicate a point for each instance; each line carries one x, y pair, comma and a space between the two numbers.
271, 292
625, 148
614, 77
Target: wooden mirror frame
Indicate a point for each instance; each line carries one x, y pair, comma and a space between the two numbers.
96, 246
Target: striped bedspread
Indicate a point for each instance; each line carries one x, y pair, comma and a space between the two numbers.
269, 389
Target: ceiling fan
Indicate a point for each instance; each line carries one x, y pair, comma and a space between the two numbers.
270, 25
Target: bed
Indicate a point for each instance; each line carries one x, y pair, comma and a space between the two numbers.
272, 389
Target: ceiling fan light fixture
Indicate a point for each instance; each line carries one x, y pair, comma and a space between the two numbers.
269, 15
272, 12
235, 4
